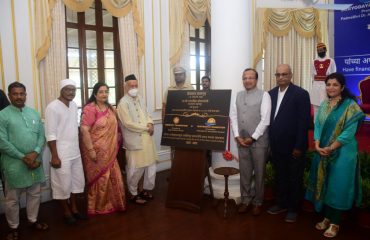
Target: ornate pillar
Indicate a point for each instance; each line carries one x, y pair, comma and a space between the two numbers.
231, 35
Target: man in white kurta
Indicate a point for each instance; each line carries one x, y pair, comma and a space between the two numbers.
66, 172
322, 66
137, 131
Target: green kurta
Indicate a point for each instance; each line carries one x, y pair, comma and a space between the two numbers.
335, 180
21, 132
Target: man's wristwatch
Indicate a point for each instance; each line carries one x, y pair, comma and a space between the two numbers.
253, 140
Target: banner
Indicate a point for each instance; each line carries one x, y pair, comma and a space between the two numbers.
352, 42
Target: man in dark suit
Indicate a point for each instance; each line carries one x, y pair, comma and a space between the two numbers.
4, 102
290, 116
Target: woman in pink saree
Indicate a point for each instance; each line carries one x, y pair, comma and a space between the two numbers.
99, 148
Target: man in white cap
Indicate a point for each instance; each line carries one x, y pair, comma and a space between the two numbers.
66, 173
180, 84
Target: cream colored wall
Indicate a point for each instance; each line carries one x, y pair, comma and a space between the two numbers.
16, 43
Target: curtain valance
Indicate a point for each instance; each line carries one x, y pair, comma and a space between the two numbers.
43, 20
118, 8
194, 12
280, 21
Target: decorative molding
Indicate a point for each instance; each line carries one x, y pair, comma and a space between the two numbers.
2, 67
37, 91
15, 42
161, 43
153, 58
161, 166
161, 61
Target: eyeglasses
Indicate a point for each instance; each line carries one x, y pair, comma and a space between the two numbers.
281, 74
249, 78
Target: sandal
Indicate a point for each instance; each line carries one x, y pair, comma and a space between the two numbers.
324, 224
138, 200
332, 231
146, 195
38, 226
13, 234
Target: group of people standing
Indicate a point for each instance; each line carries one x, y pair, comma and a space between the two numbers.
273, 123
77, 156
276, 124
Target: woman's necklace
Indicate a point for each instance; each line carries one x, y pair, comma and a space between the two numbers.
334, 101
101, 108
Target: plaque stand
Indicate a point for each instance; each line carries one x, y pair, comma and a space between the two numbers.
185, 188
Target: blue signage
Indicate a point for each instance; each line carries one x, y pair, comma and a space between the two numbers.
352, 41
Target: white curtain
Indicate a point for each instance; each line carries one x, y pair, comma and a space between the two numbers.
290, 37
184, 60
128, 43
292, 49
53, 67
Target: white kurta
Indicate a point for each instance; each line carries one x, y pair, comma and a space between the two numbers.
141, 153
61, 125
147, 154
265, 117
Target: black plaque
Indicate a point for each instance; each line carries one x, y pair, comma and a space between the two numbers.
196, 119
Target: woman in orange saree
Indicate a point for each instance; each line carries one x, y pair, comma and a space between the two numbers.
99, 149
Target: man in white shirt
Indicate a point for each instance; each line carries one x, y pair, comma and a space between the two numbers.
322, 66
250, 117
288, 133
61, 128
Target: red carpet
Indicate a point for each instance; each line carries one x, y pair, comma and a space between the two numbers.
363, 138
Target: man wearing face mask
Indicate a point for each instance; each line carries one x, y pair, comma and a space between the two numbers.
322, 66
137, 130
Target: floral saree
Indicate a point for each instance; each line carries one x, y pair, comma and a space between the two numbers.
104, 180
335, 180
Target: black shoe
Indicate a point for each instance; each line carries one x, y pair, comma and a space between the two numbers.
276, 209
80, 216
146, 195
70, 220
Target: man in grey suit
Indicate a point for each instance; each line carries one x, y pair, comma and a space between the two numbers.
250, 117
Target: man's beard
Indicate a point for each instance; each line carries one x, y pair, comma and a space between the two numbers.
321, 54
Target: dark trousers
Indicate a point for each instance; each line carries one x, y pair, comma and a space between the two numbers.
333, 214
289, 180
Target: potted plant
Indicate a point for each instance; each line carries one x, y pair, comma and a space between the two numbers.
363, 216
269, 181
307, 205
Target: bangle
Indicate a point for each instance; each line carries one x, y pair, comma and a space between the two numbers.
91, 149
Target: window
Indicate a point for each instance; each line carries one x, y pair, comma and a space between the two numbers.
93, 53
200, 54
